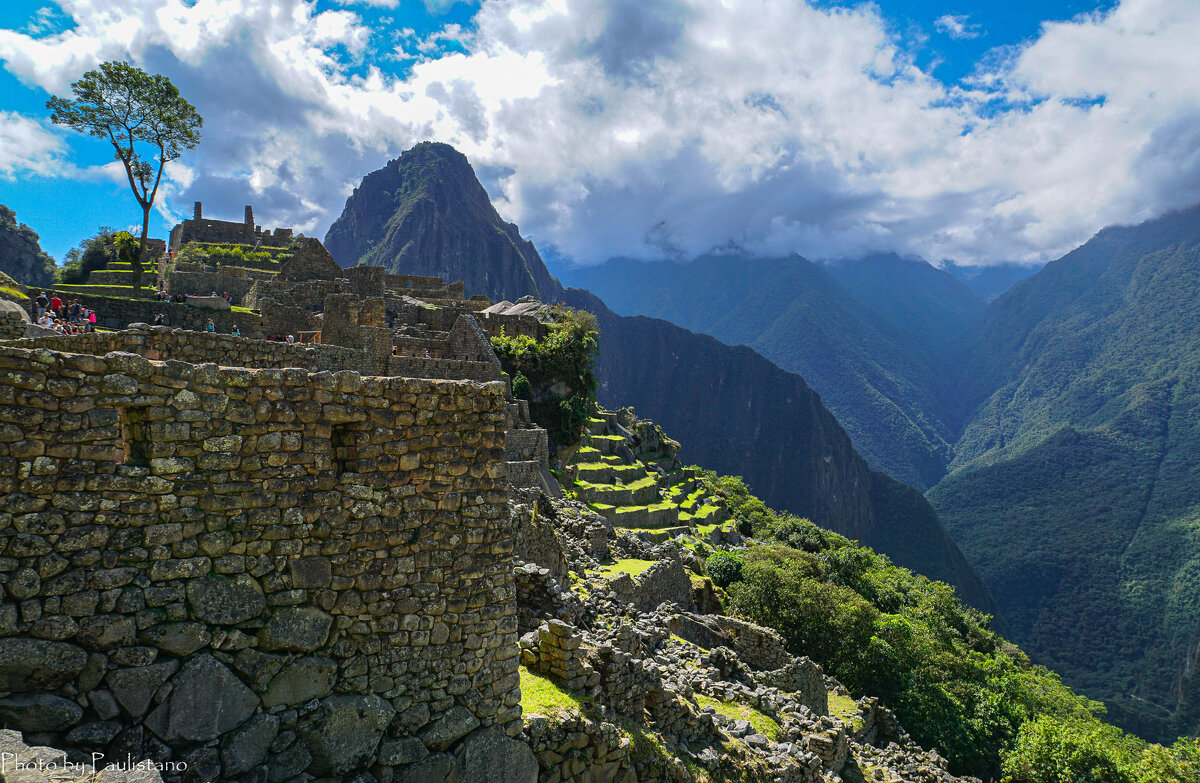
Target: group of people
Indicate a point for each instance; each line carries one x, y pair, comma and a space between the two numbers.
70, 317
280, 338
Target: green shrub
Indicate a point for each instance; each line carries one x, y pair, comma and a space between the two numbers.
520, 387
723, 568
565, 359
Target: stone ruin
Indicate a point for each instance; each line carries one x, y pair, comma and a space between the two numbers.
261, 558
201, 229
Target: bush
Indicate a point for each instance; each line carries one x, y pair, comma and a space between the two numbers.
92, 254
723, 568
566, 359
520, 387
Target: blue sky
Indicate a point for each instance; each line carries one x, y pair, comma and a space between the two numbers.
975, 131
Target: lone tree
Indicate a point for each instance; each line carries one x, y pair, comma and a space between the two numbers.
132, 109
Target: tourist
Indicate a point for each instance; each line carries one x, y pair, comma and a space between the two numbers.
290, 339
40, 304
91, 319
55, 303
236, 331
210, 326
45, 320
73, 313
159, 320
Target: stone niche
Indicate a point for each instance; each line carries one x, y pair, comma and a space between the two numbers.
262, 573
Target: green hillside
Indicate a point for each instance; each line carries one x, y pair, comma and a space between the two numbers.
1074, 488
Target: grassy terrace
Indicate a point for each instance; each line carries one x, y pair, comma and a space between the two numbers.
541, 696
762, 722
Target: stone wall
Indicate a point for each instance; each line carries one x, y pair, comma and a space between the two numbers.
12, 325
261, 572
206, 282
115, 313
201, 229
162, 343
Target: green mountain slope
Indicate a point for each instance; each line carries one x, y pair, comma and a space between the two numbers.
871, 336
425, 213
1076, 486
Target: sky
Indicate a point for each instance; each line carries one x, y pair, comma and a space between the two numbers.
966, 130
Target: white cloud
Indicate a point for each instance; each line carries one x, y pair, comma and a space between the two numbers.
26, 147
957, 26
671, 127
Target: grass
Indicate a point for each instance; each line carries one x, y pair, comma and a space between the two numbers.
631, 566
8, 290
541, 696
763, 723
841, 706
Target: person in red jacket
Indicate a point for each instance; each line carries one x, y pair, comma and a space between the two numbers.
55, 303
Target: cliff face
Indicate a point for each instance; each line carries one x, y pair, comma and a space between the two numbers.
425, 213
739, 414
21, 257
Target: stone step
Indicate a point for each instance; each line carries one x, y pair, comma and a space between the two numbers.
645, 516
606, 444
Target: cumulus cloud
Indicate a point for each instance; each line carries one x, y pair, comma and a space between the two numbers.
957, 26
669, 128
26, 147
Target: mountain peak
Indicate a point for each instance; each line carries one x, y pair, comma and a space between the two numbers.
425, 213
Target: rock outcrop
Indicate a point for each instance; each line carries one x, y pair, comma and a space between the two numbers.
21, 257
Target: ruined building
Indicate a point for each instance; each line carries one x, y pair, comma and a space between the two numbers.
201, 229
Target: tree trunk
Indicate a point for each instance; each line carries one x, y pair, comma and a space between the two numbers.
136, 261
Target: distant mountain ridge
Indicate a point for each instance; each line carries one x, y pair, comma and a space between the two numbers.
398, 218
737, 412
1076, 485
873, 336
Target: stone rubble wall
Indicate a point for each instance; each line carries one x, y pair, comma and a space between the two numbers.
760, 648
12, 325
257, 571
178, 282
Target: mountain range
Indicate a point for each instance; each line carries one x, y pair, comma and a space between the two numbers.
738, 413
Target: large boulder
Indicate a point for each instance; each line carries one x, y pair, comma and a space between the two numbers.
344, 732
206, 701
247, 747
37, 664
489, 756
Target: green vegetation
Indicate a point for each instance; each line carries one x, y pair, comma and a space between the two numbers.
631, 566
1074, 488
566, 357
954, 683
723, 568
762, 722
541, 696
216, 254
8, 292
